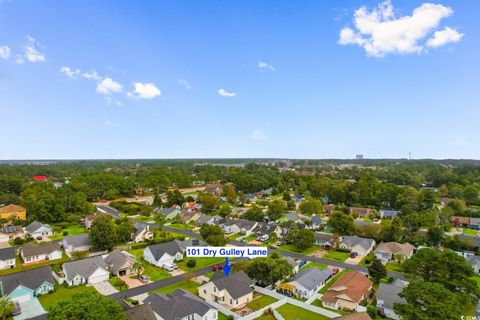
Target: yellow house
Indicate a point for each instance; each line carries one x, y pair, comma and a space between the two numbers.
12, 211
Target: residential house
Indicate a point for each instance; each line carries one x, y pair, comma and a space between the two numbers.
37, 229
241, 226
86, 271
388, 214
142, 233
120, 263
267, 229
204, 218
138, 312
387, 296
294, 263
317, 222
251, 197
306, 282
387, 251
187, 215
471, 240
324, 240
231, 292
361, 223
7, 258
444, 201
460, 221
362, 246
40, 253
190, 206
88, 220
169, 213
180, 304
328, 209
78, 243
215, 189
27, 285
292, 216
10, 233
12, 212
361, 212
474, 223
164, 253
474, 261
348, 291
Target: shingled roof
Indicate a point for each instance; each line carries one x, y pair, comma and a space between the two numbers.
171, 247
237, 284
29, 250
84, 267
177, 305
31, 279
352, 286
312, 277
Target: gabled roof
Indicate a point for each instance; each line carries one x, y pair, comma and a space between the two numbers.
389, 293
167, 211
389, 213
35, 225
204, 218
395, 247
240, 223
29, 250
7, 253
352, 286
323, 236
293, 216
317, 220
171, 247
352, 241
177, 305
312, 277
265, 228
117, 259
12, 230
83, 267
81, 240
31, 279
11, 207
140, 312
237, 284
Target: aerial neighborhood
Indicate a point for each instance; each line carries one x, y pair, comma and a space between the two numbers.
345, 240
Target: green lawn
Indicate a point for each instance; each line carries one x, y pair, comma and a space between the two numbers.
223, 316
477, 279
367, 257
144, 219
264, 317
72, 230
293, 248
155, 273
61, 294
336, 255
117, 283
394, 266
291, 312
318, 303
20, 267
469, 232
187, 285
314, 264
181, 226
201, 262
249, 238
332, 281
260, 301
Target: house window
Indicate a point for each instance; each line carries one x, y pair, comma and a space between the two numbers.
236, 301
205, 291
214, 289
231, 301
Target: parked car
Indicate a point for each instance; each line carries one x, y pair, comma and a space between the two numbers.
262, 238
17, 310
353, 254
335, 271
169, 266
217, 267
143, 278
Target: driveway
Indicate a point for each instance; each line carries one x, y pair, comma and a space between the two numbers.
355, 260
30, 309
132, 282
105, 288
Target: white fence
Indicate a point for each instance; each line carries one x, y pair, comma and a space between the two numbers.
324, 312
222, 309
277, 315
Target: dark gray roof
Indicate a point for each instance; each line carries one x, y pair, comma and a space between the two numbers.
177, 305
265, 228
204, 218
84, 267
354, 240
31, 279
80, 240
172, 247
192, 242
117, 259
475, 241
389, 213
389, 293
360, 223
317, 220
293, 216
473, 260
140, 312
29, 250
7, 253
323, 236
240, 223
312, 277
11, 229
237, 284
167, 211
34, 226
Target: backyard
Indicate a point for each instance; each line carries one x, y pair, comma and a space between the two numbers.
186, 285
60, 294
291, 312
20, 267
336, 255
332, 281
293, 248
201, 263
72, 230
394, 266
260, 301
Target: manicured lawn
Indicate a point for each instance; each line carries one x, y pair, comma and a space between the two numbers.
336, 255
367, 257
314, 264
265, 317
72, 230
181, 226
249, 238
117, 283
61, 294
187, 285
155, 273
318, 303
291, 312
332, 281
469, 232
260, 301
477, 279
144, 219
20, 267
293, 248
223, 316
394, 266
201, 262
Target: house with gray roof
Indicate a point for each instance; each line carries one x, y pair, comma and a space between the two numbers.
388, 214
471, 240
7, 258
142, 233
86, 271
474, 262
120, 263
317, 222
308, 281
138, 312
233, 291
169, 213
180, 304
78, 243
362, 246
292, 216
267, 229
41, 252
238, 226
26, 285
37, 229
387, 296
324, 240
164, 253
204, 218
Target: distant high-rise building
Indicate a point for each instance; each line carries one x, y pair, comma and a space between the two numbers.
359, 157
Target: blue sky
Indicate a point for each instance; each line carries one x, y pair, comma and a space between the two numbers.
191, 79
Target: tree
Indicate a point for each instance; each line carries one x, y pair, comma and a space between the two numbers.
213, 235
470, 194
160, 219
302, 239
311, 206
230, 193
175, 197
287, 196
435, 236
124, 230
224, 210
209, 202
102, 233
377, 270
429, 300
268, 271
341, 223
6, 307
276, 209
393, 231
255, 213
87, 306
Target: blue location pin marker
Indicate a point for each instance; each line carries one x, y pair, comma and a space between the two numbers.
227, 268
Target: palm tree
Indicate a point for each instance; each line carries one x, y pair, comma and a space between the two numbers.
6, 307
138, 268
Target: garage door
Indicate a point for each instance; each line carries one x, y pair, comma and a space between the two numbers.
97, 279
22, 298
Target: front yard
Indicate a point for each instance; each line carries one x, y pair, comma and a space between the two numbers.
155, 273
470, 232
185, 284
20, 267
293, 248
332, 281
62, 293
260, 301
201, 263
395, 267
291, 312
314, 264
336, 255
180, 226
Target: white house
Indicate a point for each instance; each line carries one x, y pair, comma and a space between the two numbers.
37, 229
386, 251
387, 296
474, 262
160, 254
43, 252
142, 233
362, 246
307, 282
86, 271
76, 243
7, 258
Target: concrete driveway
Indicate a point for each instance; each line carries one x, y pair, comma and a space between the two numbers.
105, 288
355, 260
133, 282
30, 309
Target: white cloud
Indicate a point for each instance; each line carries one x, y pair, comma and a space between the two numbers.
77, 73
379, 32
184, 83
265, 66
144, 91
225, 93
91, 75
31, 52
108, 86
441, 38
4, 52
69, 72
258, 135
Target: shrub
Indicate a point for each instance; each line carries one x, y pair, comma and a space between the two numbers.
18, 241
65, 232
191, 263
